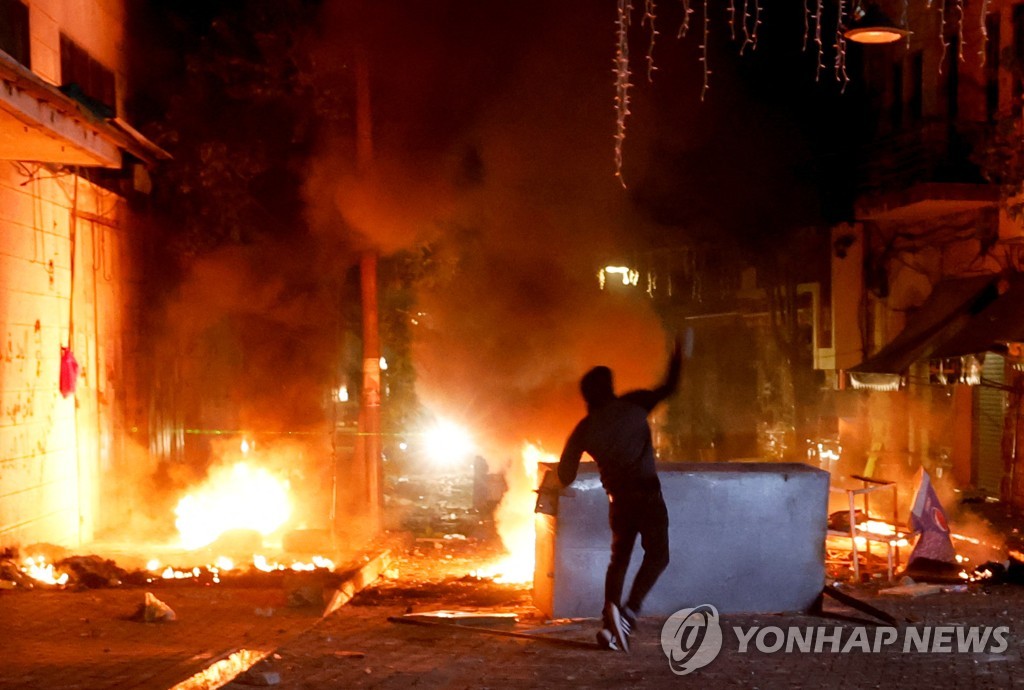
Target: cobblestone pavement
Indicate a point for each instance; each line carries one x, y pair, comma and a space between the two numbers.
83, 640
359, 647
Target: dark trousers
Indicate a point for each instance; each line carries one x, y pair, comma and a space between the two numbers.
630, 514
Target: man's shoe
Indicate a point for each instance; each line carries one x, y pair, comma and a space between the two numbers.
618, 626
605, 640
630, 617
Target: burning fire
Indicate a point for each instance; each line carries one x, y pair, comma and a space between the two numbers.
224, 564
38, 569
235, 497
514, 519
882, 529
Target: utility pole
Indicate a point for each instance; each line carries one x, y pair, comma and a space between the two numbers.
369, 442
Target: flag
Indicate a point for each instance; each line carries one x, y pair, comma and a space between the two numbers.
929, 519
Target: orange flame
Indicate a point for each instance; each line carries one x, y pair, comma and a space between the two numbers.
514, 519
235, 497
38, 569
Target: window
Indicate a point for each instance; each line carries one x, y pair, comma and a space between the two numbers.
85, 79
14, 30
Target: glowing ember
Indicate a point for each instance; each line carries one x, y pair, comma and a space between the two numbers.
237, 497
514, 519
38, 569
224, 564
261, 563
878, 528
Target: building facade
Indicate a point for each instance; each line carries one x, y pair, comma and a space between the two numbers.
69, 268
935, 242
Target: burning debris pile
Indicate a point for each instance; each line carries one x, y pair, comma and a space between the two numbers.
94, 572
41, 570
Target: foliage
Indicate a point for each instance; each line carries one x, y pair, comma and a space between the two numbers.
235, 102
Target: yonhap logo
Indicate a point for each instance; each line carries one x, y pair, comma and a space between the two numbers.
691, 638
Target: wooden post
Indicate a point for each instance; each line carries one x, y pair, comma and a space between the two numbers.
369, 411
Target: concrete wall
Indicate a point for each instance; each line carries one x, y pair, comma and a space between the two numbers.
745, 537
53, 450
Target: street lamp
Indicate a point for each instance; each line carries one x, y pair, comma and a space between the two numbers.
872, 26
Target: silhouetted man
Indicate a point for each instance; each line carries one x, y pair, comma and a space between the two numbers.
615, 433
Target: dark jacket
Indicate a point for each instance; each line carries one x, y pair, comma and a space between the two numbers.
617, 436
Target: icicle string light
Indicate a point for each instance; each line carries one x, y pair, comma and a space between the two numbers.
942, 33
817, 39
622, 84
757, 23
903, 20
746, 27
984, 32
840, 46
750, 17
807, 26
685, 26
704, 54
650, 10
960, 30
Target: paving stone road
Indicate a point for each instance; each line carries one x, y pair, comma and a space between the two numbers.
359, 647
59, 640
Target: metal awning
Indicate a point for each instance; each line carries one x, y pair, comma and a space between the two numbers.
950, 307
40, 123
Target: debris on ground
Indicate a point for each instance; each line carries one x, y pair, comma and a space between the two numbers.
917, 589
487, 619
152, 610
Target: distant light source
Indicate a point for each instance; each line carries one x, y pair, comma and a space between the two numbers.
343, 394
871, 26
383, 364
447, 443
629, 275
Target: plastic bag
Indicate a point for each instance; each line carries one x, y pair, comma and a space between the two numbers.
69, 369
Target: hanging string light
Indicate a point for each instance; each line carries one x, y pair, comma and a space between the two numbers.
807, 26
704, 54
942, 32
757, 23
817, 40
840, 46
684, 27
650, 10
746, 28
749, 16
903, 20
622, 85
960, 30
984, 32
